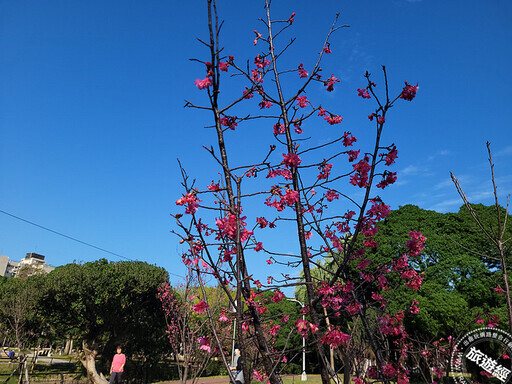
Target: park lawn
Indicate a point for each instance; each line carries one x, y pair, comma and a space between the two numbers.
40, 372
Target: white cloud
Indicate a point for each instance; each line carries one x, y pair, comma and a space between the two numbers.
442, 152
410, 170
504, 152
445, 205
448, 183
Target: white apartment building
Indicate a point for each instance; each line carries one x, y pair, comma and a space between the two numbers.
32, 260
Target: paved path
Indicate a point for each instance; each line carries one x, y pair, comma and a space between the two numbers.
217, 380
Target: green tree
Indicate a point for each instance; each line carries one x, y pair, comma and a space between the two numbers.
458, 283
103, 304
18, 309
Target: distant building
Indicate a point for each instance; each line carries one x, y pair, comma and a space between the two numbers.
8, 268
35, 263
31, 264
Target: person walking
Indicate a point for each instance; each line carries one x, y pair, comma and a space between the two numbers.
236, 367
117, 366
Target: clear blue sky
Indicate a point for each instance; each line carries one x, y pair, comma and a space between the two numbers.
92, 118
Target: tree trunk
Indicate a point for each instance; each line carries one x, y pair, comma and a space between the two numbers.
89, 364
69, 347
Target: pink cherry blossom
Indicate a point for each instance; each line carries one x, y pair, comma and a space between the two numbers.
416, 244
331, 195
389, 371
353, 155
499, 290
335, 338
302, 327
262, 222
261, 62
333, 119
302, 72
191, 200
409, 92
325, 171
348, 140
327, 48
278, 297
258, 36
229, 121
363, 264
214, 187
248, 93
291, 197
329, 83
387, 179
413, 308
392, 155
279, 129
302, 101
265, 104
363, 93
203, 84
204, 344
258, 376
223, 318
200, 307
223, 66
291, 160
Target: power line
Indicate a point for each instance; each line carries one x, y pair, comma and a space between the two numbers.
73, 238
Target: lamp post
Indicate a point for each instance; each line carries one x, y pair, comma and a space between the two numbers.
304, 377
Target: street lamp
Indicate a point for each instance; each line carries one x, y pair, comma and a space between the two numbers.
304, 377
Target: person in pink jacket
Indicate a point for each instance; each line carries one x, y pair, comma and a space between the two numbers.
117, 367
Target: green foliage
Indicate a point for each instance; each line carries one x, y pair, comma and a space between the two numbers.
107, 304
458, 281
19, 316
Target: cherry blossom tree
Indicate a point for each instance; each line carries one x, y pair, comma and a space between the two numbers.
319, 194
189, 310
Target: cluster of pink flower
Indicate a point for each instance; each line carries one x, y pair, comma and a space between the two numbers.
387, 179
263, 223
331, 195
279, 129
329, 83
302, 72
302, 101
363, 93
291, 160
297, 124
335, 338
229, 121
348, 140
409, 92
333, 119
391, 155
191, 201
304, 326
228, 227
416, 244
289, 198
208, 80
279, 172
325, 170
353, 155
360, 177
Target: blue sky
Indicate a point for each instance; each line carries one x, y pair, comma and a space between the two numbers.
92, 118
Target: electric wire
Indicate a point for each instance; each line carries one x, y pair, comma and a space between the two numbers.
73, 238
